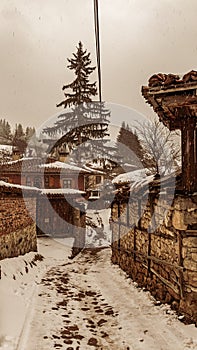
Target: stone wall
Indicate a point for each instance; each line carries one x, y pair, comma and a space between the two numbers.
157, 246
18, 242
17, 227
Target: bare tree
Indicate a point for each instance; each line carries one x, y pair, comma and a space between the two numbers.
160, 145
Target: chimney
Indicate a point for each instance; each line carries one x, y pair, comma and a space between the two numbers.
63, 153
16, 154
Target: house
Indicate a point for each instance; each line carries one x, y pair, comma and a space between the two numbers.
21, 172
33, 172
93, 183
63, 175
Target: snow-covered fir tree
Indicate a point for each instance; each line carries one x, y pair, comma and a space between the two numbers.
83, 118
5, 132
130, 146
19, 138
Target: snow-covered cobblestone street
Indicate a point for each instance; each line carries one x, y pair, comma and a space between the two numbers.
88, 303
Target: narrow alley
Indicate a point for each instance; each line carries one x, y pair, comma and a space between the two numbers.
88, 303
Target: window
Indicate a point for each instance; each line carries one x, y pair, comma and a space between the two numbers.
46, 181
98, 179
67, 183
37, 182
28, 181
86, 182
5, 179
95, 194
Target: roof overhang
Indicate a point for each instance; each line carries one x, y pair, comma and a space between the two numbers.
172, 103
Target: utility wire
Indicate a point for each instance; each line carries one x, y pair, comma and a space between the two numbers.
97, 37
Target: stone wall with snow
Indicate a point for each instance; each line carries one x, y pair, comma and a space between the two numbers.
17, 227
155, 242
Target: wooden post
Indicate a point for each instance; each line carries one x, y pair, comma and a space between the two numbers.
149, 251
111, 223
134, 243
151, 226
139, 212
37, 215
118, 225
180, 262
128, 219
189, 154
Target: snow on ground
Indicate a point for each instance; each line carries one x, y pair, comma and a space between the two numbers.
82, 304
89, 303
101, 235
19, 278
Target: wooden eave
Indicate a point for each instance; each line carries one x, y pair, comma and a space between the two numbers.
172, 104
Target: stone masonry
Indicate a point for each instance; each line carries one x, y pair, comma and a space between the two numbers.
157, 246
17, 226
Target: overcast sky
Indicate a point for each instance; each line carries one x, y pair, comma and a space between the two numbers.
138, 38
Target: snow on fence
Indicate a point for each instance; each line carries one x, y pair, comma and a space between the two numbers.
155, 241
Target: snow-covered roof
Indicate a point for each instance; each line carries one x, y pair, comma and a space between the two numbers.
95, 171
111, 144
141, 183
6, 148
129, 165
105, 141
61, 165
61, 191
22, 187
131, 176
20, 160
42, 191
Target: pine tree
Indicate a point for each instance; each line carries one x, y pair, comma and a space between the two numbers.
129, 138
83, 119
19, 132
5, 132
8, 132
19, 139
29, 132
82, 89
